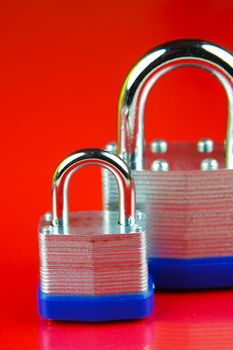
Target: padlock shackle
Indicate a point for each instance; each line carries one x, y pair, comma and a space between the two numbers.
75, 161
147, 71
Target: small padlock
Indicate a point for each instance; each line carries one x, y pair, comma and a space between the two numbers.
93, 267
187, 204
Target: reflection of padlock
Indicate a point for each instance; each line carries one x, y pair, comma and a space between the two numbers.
107, 335
189, 210
91, 267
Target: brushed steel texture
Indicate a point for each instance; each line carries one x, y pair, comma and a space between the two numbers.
189, 212
93, 256
92, 253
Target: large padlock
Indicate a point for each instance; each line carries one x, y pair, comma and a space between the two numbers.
184, 189
93, 266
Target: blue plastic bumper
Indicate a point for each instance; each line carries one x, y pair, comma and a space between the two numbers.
96, 308
198, 273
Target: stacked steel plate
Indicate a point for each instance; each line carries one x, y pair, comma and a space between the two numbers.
92, 257
189, 213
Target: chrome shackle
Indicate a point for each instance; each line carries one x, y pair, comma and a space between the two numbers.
75, 161
147, 71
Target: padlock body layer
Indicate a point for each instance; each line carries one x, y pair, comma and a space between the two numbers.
93, 270
96, 308
188, 212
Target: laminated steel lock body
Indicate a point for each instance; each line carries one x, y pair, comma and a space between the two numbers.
93, 265
189, 211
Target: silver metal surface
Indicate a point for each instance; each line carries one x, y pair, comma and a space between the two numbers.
160, 165
205, 145
144, 75
48, 216
209, 164
189, 212
90, 253
158, 146
104, 159
111, 147
93, 256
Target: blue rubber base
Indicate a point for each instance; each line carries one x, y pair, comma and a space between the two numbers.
198, 273
96, 308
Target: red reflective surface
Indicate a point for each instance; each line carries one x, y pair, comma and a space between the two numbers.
180, 322
200, 320
61, 68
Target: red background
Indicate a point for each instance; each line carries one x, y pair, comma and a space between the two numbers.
62, 66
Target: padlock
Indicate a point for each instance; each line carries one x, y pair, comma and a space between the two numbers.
93, 266
184, 189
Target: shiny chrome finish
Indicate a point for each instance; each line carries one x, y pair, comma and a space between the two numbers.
144, 75
104, 159
158, 146
209, 164
48, 216
160, 165
90, 252
205, 146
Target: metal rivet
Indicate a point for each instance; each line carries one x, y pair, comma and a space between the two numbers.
158, 146
160, 165
48, 216
205, 146
209, 164
111, 147
140, 215
137, 228
47, 229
